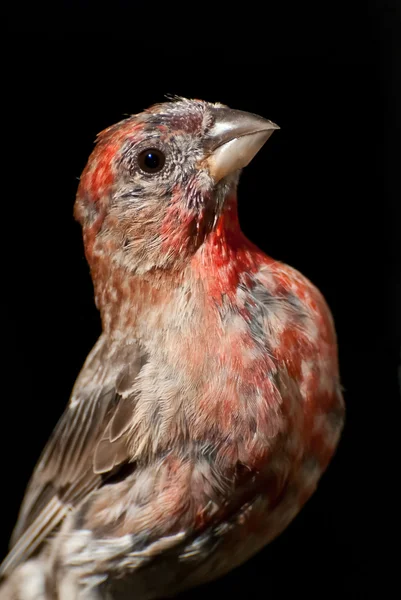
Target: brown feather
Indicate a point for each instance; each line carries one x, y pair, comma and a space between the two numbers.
83, 446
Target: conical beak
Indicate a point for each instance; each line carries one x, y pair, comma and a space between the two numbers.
234, 139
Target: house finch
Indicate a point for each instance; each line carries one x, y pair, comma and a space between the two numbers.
211, 404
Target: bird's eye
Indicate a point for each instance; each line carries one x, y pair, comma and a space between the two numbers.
151, 160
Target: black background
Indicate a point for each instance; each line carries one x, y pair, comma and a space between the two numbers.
323, 195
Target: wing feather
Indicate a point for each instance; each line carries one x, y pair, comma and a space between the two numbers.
68, 471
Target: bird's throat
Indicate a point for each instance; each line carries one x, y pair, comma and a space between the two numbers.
142, 300
226, 255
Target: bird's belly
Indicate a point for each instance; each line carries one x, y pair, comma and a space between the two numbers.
232, 543
220, 548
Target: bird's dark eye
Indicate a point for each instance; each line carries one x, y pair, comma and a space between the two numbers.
151, 160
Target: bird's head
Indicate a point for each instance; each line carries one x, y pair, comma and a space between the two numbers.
157, 182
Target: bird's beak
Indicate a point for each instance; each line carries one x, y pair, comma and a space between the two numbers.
234, 139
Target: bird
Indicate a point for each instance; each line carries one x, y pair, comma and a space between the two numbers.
207, 411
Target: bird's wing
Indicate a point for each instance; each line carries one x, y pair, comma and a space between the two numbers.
88, 441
